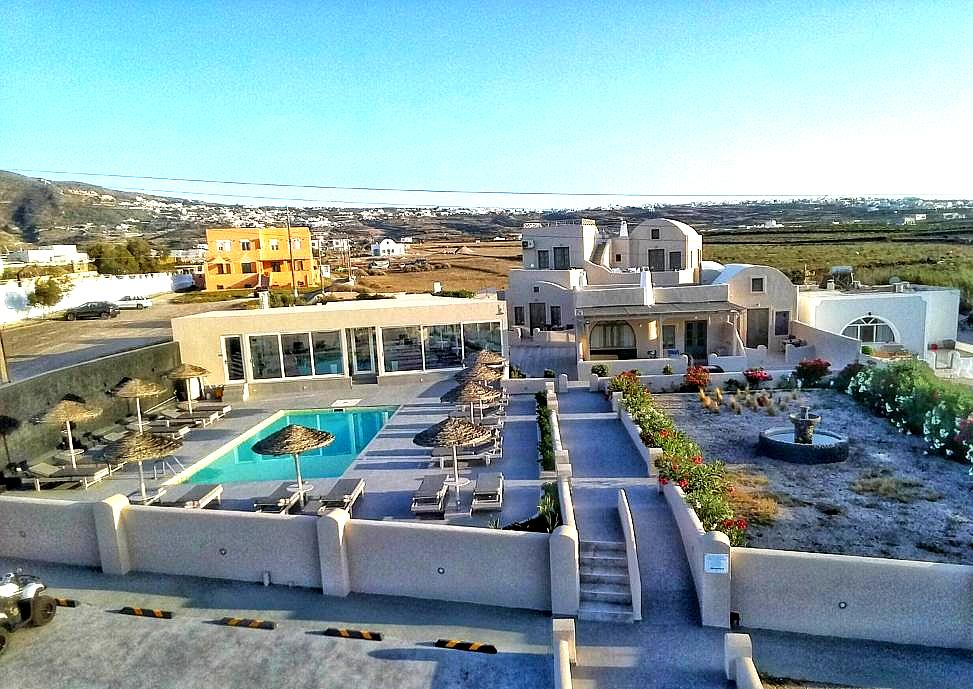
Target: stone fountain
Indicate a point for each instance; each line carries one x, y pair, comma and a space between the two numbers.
805, 443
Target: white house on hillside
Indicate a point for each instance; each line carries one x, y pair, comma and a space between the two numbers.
646, 299
388, 247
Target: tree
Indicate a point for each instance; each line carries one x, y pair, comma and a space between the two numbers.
48, 292
8, 425
134, 256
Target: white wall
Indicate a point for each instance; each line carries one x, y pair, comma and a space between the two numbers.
486, 566
833, 347
13, 298
899, 601
48, 530
189, 543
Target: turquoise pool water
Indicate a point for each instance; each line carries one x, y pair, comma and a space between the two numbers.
352, 428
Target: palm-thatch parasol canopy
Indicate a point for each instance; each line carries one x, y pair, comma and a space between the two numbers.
186, 372
452, 432
67, 411
487, 357
470, 391
142, 447
478, 372
293, 440
136, 387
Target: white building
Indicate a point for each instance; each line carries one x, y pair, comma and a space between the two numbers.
913, 218
53, 255
646, 299
388, 247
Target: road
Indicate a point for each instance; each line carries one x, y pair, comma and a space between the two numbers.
40, 347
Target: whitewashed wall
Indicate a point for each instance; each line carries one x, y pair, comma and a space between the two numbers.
13, 296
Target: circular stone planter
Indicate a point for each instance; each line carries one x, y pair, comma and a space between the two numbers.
826, 447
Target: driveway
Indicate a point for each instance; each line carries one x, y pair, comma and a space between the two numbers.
40, 347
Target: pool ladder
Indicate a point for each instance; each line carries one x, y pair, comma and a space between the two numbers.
167, 467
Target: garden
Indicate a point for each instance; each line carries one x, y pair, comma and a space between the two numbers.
904, 492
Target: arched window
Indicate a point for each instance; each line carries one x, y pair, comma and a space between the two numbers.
870, 329
612, 335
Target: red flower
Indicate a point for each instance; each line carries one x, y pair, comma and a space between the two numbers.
663, 433
684, 484
698, 459
741, 523
729, 489
728, 523
663, 481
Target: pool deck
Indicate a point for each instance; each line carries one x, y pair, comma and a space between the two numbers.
391, 464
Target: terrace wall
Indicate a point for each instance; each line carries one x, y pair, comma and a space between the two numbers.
899, 601
49, 530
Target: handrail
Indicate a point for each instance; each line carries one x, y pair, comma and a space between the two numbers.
631, 551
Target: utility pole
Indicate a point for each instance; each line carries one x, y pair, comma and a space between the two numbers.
290, 249
4, 374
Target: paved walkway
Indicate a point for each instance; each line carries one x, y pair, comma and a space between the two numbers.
532, 359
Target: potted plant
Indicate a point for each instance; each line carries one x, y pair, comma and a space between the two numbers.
756, 376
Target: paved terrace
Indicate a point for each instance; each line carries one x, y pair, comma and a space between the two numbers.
392, 464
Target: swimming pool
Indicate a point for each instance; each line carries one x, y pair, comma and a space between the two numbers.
352, 428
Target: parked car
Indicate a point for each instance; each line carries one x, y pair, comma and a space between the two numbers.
92, 309
23, 603
132, 302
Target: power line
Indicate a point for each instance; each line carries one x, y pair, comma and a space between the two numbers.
334, 187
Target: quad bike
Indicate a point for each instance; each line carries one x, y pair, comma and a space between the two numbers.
23, 603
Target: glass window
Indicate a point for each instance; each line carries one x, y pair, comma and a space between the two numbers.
668, 337
223, 244
233, 357
870, 329
544, 259
657, 259
562, 257
477, 336
244, 245
612, 335
327, 353
555, 315
518, 315
442, 345
782, 322
675, 260
297, 354
296, 243
756, 284
618, 258
275, 266
402, 349
265, 356
274, 244
248, 267
654, 233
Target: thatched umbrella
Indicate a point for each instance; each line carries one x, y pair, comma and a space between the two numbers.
470, 393
453, 433
480, 373
293, 440
67, 411
187, 372
487, 357
137, 388
140, 447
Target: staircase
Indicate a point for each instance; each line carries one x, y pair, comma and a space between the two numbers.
605, 588
598, 252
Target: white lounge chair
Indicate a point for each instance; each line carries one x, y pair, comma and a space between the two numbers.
195, 498
488, 493
84, 475
430, 496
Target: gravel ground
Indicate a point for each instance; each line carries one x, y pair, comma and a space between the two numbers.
929, 517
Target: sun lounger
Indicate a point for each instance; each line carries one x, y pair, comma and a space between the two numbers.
195, 498
430, 496
220, 408
343, 494
281, 500
200, 418
84, 475
173, 430
487, 493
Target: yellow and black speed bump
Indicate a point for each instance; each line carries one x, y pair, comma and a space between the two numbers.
466, 646
147, 612
65, 602
353, 634
247, 622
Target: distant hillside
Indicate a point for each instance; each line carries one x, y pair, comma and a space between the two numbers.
32, 209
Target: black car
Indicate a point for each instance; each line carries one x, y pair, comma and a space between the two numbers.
92, 309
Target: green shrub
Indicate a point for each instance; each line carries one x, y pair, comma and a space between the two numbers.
667, 370
867, 350
545, 446
696, 377
549, 373
517, 373
810, 372
600, 370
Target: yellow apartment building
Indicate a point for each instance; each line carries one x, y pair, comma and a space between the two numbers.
248, 257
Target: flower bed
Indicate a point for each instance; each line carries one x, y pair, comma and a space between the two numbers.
910, 395
705, 483
545, 446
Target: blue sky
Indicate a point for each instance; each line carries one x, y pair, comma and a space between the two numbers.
748, 98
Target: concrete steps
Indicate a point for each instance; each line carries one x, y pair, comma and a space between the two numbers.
605, 588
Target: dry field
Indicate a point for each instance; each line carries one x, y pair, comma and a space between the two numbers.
471, 266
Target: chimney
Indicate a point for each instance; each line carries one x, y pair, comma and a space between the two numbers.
623, 229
